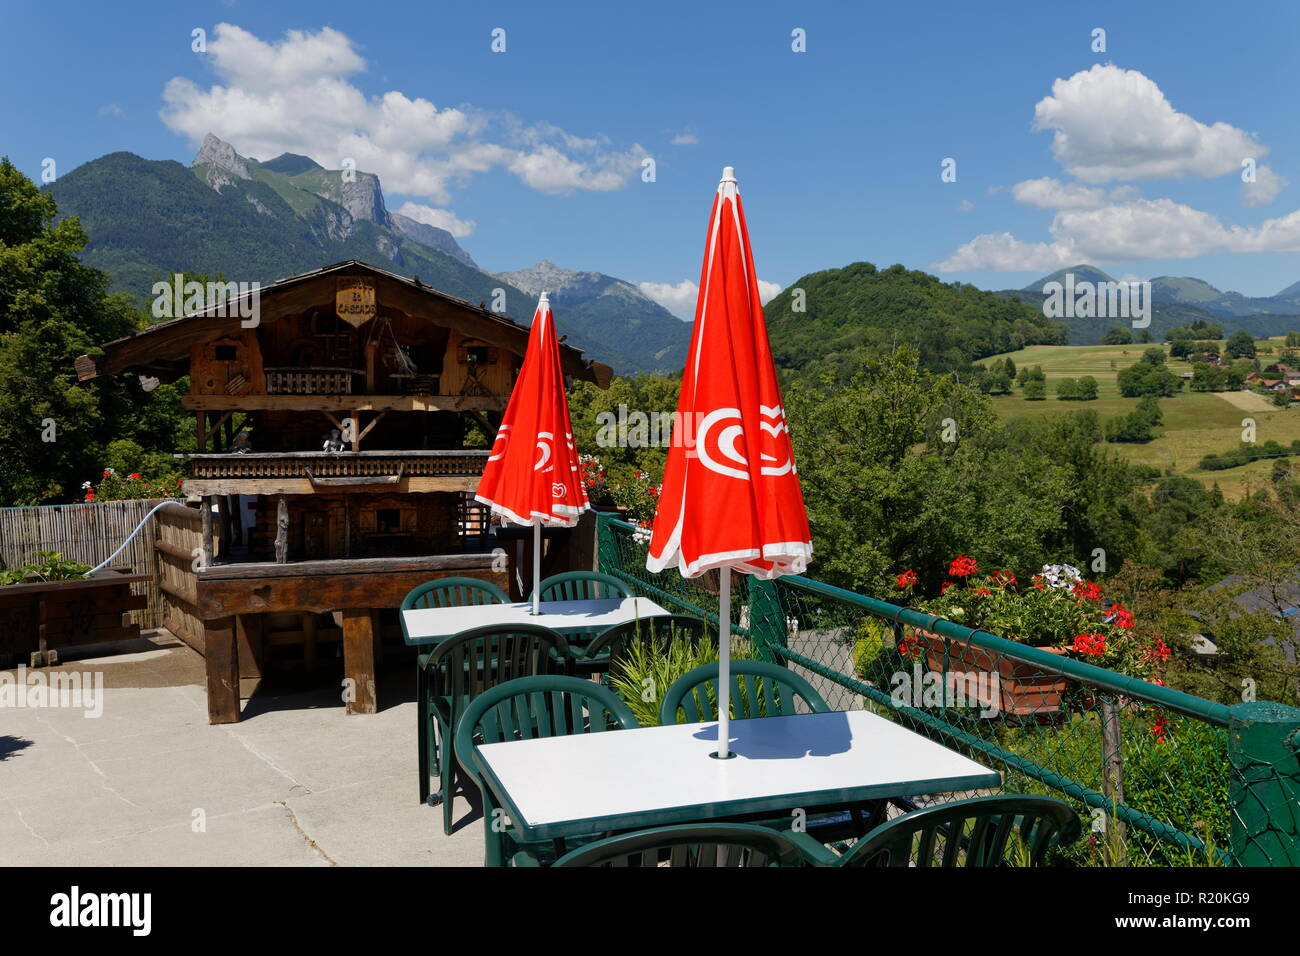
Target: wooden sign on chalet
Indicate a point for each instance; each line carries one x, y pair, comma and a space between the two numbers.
354, 301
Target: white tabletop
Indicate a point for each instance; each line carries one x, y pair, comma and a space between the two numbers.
431, 624
556, 786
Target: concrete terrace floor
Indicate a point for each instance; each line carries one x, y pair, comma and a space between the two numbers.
296, 783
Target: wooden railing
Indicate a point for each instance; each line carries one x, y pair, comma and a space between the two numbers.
180, 537
346, 464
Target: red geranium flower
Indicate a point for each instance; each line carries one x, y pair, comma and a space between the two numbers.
1120, 616
963, 567
90, 496
982, 591
946, 585
134, 476
1092, 644
1086, 590
907, 579
1004, 578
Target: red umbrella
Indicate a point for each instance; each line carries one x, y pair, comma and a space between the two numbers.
731, 495
531, 476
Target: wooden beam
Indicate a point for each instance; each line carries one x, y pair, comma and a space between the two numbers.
321, 592
222, 660
281, 530
359, 635
346, 403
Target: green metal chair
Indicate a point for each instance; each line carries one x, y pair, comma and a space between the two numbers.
525, 709
976, 832
699, 845
465, 665
442, 592
758, 689
582, 586
607, 646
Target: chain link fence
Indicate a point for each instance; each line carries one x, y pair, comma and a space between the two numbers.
1160, 778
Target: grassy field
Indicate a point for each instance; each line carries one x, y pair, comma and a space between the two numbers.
1196, 423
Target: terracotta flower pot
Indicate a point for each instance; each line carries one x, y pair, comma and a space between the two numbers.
1021, 689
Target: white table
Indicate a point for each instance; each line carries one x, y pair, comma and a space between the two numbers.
623, 779
430, 625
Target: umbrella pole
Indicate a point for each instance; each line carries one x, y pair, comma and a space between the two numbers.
724, 663
537, 568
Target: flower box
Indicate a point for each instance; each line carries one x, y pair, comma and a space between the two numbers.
38, 618
1021, 689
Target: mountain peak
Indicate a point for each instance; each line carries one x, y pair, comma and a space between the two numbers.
221, 155
291, 164
1082, 273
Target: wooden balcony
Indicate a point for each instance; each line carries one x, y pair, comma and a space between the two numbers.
310, 472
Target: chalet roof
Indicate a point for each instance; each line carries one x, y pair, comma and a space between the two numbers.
162, 346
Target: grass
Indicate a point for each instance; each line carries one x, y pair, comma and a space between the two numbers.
1196, 423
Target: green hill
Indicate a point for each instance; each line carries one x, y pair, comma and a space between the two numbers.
859, 309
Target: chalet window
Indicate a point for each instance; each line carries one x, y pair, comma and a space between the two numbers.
225, 353
388, 520
479, 354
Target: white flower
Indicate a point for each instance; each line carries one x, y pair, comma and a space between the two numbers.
1060, 575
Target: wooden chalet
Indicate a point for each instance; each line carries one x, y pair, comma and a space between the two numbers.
331, 475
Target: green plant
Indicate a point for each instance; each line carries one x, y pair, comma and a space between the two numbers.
646, 669
49, 566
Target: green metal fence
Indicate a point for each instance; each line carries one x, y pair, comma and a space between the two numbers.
1161, 777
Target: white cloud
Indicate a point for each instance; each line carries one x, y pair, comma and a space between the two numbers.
679, 298
965, 206
685, 138
110, 109
441, 218
295, 95
1264, 189
1142, 229
1115, 124
1112, 124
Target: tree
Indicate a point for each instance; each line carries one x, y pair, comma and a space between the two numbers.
1144, 335
1067, 390
1087, 389
1138, 425
1117, 335
1035, 390
1241, 344
53, 309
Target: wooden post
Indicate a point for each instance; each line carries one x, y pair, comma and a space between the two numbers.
1112, 760
309, 641
359, 635
201, 430
281, 530
205, 512
236, 522
221, 653
223, 526
356, 431
248, 637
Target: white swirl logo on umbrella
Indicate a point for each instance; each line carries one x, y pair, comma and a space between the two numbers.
544, 452
721, 429
499, 443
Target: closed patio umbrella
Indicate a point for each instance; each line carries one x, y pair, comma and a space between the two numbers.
731, 497
531, 476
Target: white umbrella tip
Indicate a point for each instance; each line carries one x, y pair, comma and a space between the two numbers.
728, 174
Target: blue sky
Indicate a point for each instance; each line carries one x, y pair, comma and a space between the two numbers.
536, 152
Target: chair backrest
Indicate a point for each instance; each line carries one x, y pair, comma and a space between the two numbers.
758, 689
468, 663
582, 586
703, 845
454, 592
1005, 830
528, 708
659, 629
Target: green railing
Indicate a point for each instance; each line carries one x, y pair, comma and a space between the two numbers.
1160, 777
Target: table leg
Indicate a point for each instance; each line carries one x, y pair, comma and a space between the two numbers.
221, 658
